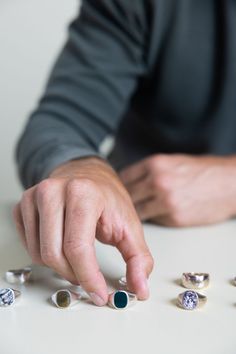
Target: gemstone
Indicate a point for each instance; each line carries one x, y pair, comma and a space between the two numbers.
190, 300
7, 297
120, 299
63, 298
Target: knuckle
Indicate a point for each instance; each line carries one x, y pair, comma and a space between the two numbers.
160, 161
45, 190
27, 197
162, 182
172, 203
49, 256
73, 249
81, 187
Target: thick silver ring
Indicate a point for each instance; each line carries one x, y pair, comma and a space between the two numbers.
191, 300
8, 296
195, 280
64, 298
121, 299
18, 276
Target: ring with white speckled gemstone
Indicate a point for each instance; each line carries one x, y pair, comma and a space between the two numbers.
191, 300
195, 280
18, 276
8, 296
65, 298
121, 299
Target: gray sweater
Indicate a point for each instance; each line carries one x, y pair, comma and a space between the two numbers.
159, 75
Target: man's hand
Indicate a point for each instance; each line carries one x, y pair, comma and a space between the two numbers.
181, 190
59, 218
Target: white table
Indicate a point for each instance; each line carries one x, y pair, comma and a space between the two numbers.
34, 326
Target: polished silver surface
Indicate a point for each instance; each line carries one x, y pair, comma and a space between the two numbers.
193, 280
18, 276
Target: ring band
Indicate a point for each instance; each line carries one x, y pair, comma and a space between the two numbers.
64, 298
121, 299
18, 276
123, 282
195, 280
190, 300
8, 296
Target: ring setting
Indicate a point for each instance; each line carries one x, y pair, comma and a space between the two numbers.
195, 280
8, 296
191, 300
18, 276
64, 298
121, 299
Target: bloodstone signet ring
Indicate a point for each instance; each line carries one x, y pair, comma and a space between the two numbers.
195, 280
8, 296
121, 299
64, 298
191, 300
18, 276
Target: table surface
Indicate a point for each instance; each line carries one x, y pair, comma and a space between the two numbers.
33, 325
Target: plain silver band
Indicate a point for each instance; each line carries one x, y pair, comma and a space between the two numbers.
195, 280
18, 276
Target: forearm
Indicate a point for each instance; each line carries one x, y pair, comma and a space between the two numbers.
88, 91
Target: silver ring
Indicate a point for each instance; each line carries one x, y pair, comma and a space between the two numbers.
191, 300
234, 281
8, 296
195, 280
64, 298
18, 276
121, 299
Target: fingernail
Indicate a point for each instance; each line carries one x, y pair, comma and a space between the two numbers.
97, 299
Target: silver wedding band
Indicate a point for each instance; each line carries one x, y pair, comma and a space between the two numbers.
195, 280
18, 276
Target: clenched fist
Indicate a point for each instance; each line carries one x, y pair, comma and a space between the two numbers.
182, 190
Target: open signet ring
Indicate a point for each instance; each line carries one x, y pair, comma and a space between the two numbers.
64, 298
195, 280
121, 299
8, 296
18, 276
190, 300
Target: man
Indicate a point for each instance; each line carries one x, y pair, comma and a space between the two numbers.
160, 75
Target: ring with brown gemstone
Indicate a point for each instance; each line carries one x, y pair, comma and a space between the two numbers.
65, 298
195, 280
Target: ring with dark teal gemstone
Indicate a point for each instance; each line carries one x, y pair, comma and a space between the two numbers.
8, 296
121, 299
191, 300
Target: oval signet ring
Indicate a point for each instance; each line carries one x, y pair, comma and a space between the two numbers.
8, 296
64, 298
190, 300
121, 299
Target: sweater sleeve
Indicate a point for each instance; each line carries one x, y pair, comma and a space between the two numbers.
89, 88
